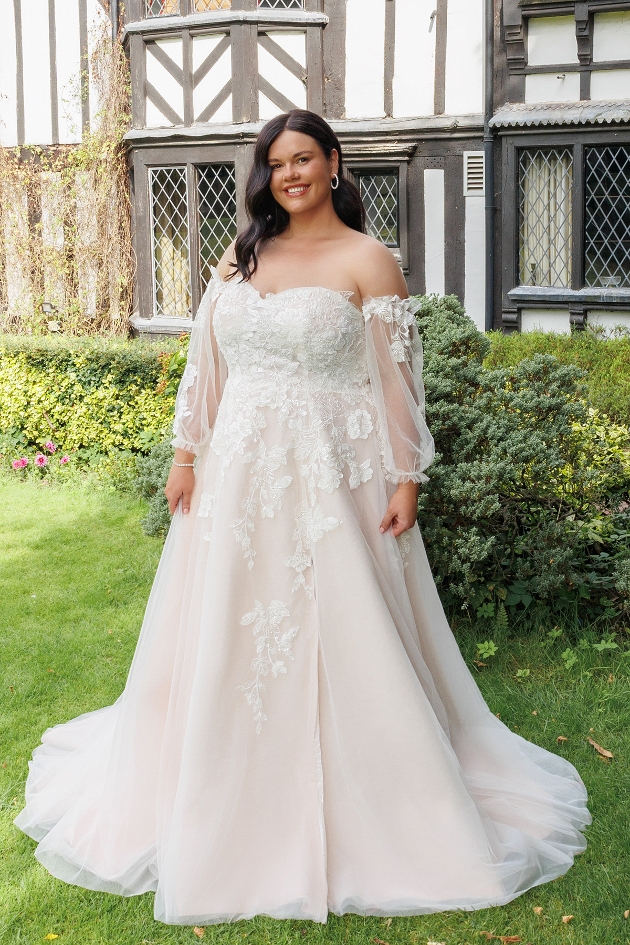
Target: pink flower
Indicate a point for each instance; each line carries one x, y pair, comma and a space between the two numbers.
20, 463
63, 460
50, 446
41, 460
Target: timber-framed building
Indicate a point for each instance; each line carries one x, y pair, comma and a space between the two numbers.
490, 140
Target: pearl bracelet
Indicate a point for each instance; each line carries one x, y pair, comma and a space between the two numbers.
182, 464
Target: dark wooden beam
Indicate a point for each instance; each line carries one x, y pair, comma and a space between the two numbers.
19, 71
216, 103
138, 81
334, 43
160, 103
52, 51
84, 82
315, 69
441, 22
390, 56
244, 72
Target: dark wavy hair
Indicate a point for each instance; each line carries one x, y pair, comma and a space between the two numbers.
267, 217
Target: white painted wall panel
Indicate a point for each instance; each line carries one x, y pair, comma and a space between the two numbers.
266, 108
611, 36
612, 84
8, 115
552, 87
68, 70
414, 65
434, 230
607, 322
293, 43
464, 57
164, 83
365, 58
35, 52
215, 80
551, 39
546, 319
280, 78
475, 261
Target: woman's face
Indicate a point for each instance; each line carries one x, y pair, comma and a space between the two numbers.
300, 172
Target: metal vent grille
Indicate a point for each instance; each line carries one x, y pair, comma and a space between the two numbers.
607, 217
379, 193
545, 217
216, 195
473, 173
161, 7
169, 233
201, 6
282, 4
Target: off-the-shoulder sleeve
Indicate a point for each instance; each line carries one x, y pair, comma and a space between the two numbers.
204, 377
394, 357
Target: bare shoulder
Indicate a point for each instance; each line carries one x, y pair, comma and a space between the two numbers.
376, 269
229, 256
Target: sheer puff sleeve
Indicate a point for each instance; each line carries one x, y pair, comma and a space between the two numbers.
394, 358
204, 376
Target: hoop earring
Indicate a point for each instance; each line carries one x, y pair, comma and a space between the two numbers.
335, 177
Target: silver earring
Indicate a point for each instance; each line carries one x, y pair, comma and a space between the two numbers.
335, 178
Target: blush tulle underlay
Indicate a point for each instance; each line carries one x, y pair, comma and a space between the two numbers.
298, 733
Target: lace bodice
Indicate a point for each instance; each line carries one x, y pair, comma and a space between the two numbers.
305, 350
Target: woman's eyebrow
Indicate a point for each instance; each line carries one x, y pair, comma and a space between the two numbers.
296, 155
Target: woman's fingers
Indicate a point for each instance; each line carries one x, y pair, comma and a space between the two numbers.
390, 515
186, 496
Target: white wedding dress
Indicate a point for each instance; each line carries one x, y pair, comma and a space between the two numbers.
299, 733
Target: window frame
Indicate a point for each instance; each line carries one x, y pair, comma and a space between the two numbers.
373, 165
577, 297
174, 156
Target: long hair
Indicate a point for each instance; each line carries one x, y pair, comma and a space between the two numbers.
267, 217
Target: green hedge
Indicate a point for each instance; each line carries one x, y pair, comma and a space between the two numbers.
606, 362
85, 393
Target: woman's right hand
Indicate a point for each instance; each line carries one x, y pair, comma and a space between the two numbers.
180, 483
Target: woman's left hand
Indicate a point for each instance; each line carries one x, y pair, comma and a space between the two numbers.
402, 510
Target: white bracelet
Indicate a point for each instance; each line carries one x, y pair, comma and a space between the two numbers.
182, 464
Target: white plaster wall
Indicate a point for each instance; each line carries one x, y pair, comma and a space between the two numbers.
414, 65
611, 36
8, 115
546, 319
36, 59
464, 57
164, 83
552, 87
612, 84
365, 58
215, 80
608, 321
551, 39
279, 77
68, 70
434, 230
293, 43
475, 261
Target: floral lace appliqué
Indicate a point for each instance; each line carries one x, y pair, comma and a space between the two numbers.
270, 641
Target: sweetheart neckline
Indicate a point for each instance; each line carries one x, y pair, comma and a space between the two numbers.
301, 288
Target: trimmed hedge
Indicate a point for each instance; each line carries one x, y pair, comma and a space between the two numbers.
86, 393
606, 362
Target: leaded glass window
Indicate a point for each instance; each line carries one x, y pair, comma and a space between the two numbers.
170, 241
545, 217
607, 217
162, 7
216, 198
282, 4
201, 6
380, 195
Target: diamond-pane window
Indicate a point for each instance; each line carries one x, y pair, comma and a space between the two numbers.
379, 193
201, 6
169, 237
161, 7
282, 4
545, 217
216, 195
607, 217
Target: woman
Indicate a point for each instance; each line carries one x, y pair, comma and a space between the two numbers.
299, 733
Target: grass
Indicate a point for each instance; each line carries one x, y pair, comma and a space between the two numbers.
75, 572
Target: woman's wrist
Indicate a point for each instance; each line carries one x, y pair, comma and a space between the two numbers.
183, 458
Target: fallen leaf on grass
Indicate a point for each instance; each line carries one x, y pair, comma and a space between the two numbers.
601, 751
506, 939
379, 941
562, 738
567, 918
538, 910
436, 943
199, 932
388, 923
534, 712
50, 937
626, 914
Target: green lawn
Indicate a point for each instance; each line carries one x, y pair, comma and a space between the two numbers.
75, 572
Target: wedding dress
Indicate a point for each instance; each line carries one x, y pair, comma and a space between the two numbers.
299, 733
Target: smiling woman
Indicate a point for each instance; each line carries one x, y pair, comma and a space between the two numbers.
236, 776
